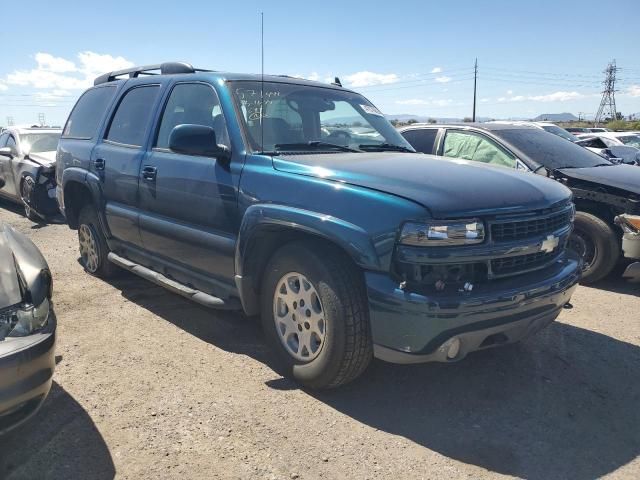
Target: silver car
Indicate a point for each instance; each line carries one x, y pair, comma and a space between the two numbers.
27, 166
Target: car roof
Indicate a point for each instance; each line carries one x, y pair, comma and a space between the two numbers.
471, 125
25, 130
231, 76
616, 134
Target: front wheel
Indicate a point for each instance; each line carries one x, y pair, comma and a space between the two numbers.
315, 314
25, 193
596, 242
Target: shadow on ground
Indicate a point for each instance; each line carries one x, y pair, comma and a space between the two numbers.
563, 405
61, 441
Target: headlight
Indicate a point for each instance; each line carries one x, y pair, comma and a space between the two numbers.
443, 233
24, 320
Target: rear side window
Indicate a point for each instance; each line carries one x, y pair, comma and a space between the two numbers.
131, 119
89, 110
422, 140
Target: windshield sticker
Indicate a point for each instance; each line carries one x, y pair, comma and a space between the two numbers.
370, 109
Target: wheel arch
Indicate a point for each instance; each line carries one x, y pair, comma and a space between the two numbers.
79, 189
265, 228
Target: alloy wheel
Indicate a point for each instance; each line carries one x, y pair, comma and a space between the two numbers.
299, 317
88, 248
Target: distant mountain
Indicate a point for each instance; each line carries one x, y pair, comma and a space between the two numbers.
556, 117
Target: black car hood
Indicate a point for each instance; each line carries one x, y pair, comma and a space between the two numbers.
18, 252
624, 177
449, 188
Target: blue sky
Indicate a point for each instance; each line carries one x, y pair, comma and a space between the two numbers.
407, 57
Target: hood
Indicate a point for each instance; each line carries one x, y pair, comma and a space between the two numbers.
9, 287
46, 159
449, 188
624, 177
17, 251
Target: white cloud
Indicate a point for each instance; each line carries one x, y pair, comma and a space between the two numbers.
365, 79
484, 100
443, 79
49, 63
314, 76
3, 87
556, 97
62, 74
443, 102
436, 70
413, 101
509, 92
633, 90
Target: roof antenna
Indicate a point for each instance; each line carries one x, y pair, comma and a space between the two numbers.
261, 81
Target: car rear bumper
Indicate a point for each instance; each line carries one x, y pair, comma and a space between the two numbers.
26, 374
410, 327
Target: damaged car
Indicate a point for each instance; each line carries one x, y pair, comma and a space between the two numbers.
27, 328
27, 166
602, 190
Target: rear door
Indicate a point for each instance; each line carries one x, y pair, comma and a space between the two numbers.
188, 203
10, 187
117, 159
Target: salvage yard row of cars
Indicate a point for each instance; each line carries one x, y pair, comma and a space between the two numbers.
298, 202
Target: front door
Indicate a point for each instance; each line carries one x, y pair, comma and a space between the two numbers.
188, 203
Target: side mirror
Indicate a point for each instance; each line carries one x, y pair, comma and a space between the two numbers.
199, 140
6, 152
1, 182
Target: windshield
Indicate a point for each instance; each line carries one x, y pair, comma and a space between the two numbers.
293, 117
561, 132
631, 140
549, 150
39, 142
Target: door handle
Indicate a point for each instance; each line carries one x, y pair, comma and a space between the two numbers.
149, 173
98, 163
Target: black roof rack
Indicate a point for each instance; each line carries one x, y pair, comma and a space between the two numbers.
167, 68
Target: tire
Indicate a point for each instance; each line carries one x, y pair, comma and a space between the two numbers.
24, 193
597, 243
340, 346
93, 245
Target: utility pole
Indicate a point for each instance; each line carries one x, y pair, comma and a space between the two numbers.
608, 102
475, 83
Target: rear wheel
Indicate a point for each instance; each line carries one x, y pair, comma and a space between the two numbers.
315, 316
596, 242
93, 245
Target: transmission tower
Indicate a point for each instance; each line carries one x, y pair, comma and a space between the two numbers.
607, 107
41, 119
9, 121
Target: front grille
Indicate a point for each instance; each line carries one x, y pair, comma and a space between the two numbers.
521, 263
523, 229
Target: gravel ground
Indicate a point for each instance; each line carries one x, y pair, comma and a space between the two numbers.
149, 385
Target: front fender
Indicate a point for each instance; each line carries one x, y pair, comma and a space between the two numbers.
351, 238
284, 222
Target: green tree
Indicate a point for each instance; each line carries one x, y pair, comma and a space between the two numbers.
411, 121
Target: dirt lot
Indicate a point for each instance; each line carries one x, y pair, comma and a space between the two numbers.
149, 385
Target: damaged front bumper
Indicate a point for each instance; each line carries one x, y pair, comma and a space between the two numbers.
410, 327
39, 192
630, 225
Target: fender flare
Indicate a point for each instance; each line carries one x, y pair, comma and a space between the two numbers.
261, 218
92, 183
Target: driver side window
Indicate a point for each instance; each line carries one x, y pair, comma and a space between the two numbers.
477, 148
11, 143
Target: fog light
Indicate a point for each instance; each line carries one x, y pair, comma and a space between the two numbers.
454, 348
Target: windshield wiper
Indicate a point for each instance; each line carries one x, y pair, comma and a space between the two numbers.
313, 144
385, 147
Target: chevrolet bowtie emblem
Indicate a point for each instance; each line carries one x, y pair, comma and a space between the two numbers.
549, 244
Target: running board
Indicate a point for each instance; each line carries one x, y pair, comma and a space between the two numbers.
176, 287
